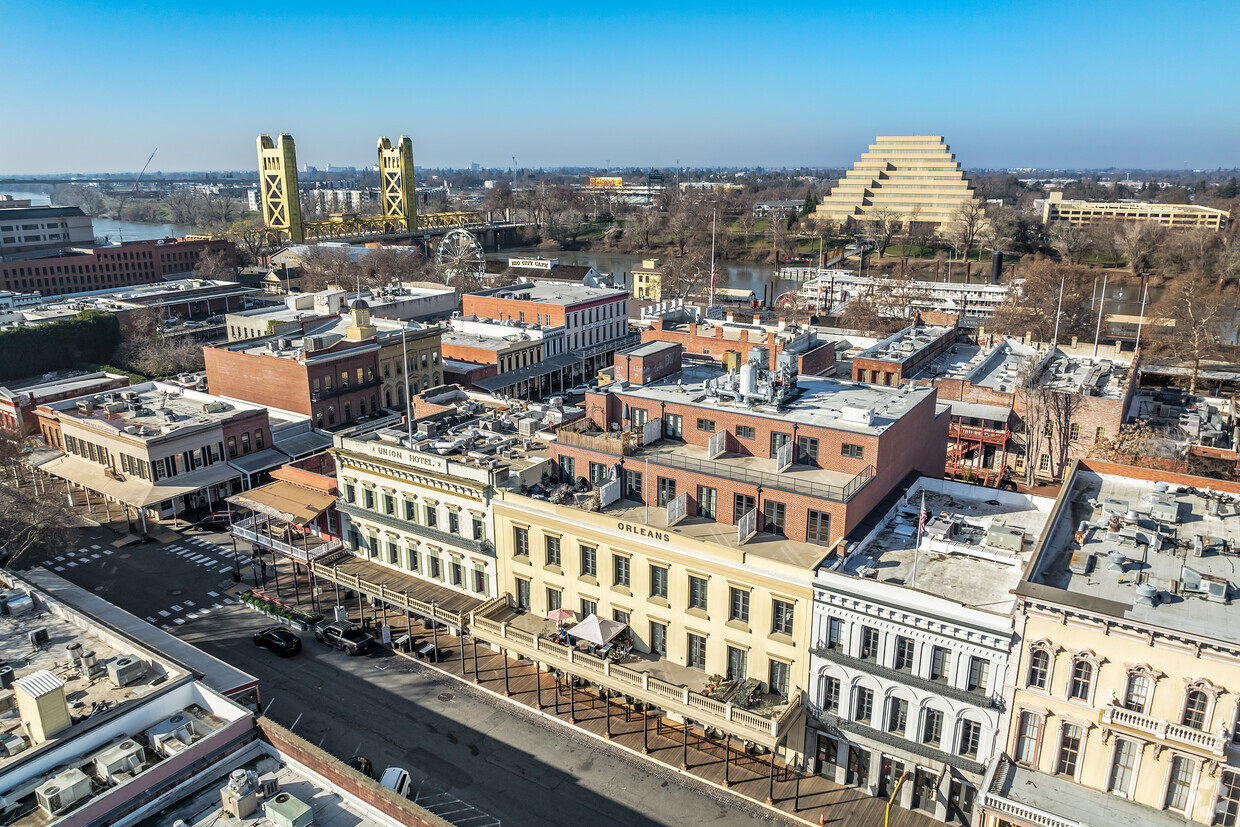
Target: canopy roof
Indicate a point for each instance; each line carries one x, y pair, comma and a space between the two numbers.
596, 629
285, 501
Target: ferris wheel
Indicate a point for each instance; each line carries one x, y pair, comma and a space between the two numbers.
459, 255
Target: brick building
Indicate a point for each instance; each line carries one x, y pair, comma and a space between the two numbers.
717, 438
117, 265
902, 354
17, 405
528, 358
717, 339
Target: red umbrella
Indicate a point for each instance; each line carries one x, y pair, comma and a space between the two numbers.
560, 615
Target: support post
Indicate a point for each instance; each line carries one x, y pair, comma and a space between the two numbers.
684, 758
507, 691
606, 694
727, 760
538, 681
557, 708
572, 699
645, 730
770, 789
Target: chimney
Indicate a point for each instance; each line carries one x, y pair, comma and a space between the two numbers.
42, 706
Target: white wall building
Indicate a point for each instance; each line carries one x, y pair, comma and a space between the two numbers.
911, 642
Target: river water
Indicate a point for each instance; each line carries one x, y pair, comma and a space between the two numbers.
107, 227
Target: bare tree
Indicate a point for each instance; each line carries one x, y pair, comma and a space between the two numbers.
1138, 240
1198, 313
682, 276
323, 267
1033, 399
999, 230
963, 230
213, 265
1061, 409
1031, 308
30, 522
1069, 240
880, 227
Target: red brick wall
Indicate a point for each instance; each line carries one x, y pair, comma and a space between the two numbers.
817, 362
473, 355
1155, 475
138, 262
495, 308
258, 378
641, 370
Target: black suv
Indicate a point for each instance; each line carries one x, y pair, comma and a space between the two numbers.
345, 636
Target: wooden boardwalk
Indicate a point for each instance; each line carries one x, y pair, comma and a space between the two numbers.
808, 797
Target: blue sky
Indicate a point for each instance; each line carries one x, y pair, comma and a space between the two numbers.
97, 86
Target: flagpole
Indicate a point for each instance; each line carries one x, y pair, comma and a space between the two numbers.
921, 525
1058, 310
408, 401
1145, 294
712, 257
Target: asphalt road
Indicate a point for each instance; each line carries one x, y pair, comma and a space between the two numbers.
474, 758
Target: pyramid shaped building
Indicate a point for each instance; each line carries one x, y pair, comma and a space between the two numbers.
915, 176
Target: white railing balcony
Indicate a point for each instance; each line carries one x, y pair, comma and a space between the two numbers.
313, 548
1029, 815
1165, 730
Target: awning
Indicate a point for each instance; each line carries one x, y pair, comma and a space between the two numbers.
133, 490
285, 501
977, 410
303, 444
263, 460
512, 377
596, 630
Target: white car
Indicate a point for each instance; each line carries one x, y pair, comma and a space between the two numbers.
396, 780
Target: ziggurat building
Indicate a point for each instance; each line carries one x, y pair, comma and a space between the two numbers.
917, 177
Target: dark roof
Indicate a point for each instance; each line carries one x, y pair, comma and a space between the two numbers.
38, 212
360, 304
560, 272
546, 366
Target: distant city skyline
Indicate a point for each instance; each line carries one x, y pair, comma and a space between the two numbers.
1052, 85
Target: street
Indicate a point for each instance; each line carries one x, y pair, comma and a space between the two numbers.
475, 759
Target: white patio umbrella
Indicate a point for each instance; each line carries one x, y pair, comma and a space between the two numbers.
596, 630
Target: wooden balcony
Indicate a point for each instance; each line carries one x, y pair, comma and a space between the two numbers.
978, 433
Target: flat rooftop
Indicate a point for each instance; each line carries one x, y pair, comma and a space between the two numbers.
905, 344
820, 401
959, 562
151, 410
1085, 376
553, 292
989, 366
57, 387
1171, 540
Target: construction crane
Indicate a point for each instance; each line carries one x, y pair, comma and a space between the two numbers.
120, 211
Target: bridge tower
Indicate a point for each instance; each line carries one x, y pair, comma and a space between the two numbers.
396, 182
277, 179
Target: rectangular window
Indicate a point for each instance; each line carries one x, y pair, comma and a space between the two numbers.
368, 498
905, 649
555, 599
970, 738
1074, 431
410, 511
707, 502
831, 694
638, 416
598, 473
393, 553
1027, 738
589, 561
742, 504
480, 528
697, 652
1069, 751
745, 432
897, 715
781, 617
863, 705
738, 664
835, 633
1227, 811
620, 570
807, 450
932, 727
667, 490
454, 522
568, 470
658, 637
869, 643
773, 514
707, 425
779, 677
854, 451
520, 542
819, 528
738, 604
588, 607
633, 486
674, 426
1100, 434
389, 504
523, 593
778, 441
553, 551
697, 592
940, 664
620, 616
979, 674
1179, 783
1120, 781
658, 581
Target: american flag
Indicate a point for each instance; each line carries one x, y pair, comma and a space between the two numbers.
924, 517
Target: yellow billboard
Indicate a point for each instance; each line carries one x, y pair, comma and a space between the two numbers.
606, 182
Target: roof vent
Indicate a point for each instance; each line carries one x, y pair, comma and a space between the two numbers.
1147, 595
1116, 560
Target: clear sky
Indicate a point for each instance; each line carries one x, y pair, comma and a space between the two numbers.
97, 86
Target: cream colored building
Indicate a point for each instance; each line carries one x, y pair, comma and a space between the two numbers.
916, 177
700, 607
1125, 696
648, 281
1084, 213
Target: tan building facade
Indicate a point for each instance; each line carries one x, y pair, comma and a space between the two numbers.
1124, 698
1083, 213
916, 177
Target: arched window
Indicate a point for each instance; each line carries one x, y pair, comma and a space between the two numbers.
1137, 694
1196, 705
1039, 668
1082, 680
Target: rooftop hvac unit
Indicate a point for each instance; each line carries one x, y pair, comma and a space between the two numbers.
12, 745
215, 407
125, 757
38, 637
1147, 595
125, 670
1164, 508
1005, 537
944, 528
63, 791
171, 735
1116, 560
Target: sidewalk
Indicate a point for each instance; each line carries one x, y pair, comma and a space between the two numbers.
804, 796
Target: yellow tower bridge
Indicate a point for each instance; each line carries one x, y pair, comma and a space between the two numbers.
277, 180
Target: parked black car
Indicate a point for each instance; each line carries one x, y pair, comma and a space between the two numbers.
279, 640
216, 520
345, 636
